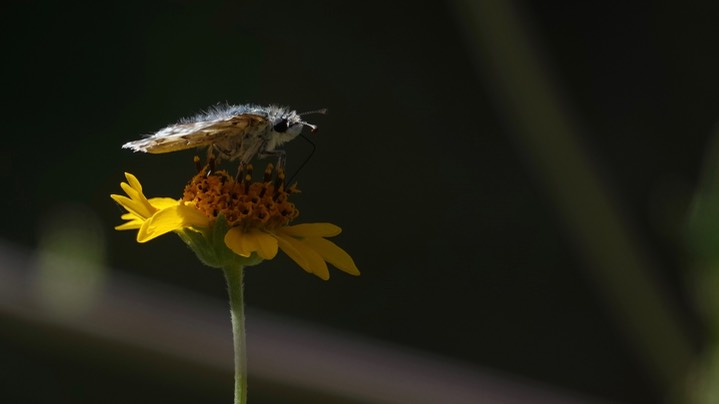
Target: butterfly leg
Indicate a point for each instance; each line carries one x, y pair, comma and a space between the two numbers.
211, 160
223, 153
210, 154
240, 171
281, 157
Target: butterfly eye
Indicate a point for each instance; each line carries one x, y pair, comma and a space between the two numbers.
281, 126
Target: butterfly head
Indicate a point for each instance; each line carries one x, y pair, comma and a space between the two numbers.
287, 125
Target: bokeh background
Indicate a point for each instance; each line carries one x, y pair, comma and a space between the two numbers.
514, 180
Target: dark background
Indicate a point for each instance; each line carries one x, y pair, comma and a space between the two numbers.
462, 249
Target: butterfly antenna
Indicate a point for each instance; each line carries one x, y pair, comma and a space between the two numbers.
322, 111
297, 171
313, 128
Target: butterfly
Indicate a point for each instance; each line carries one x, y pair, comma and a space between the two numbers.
236, 132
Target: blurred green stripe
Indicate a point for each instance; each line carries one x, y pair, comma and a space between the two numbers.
508, 62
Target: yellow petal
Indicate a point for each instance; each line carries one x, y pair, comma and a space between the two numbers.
136, 202
144, 206
304, 256
133, 182
133, 222
130, 216
333, 254
267, 246
312, 230
132, 206
235, 241
170, 219
129, 226
162, 203
245, 243
133, 193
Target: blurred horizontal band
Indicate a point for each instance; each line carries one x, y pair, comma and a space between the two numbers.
175, 333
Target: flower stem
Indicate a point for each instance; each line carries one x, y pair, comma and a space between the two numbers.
233, 275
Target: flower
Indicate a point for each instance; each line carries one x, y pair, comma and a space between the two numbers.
235, 222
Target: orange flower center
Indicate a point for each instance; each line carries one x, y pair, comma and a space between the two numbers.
242, 202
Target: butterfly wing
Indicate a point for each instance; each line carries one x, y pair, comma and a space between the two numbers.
188, 135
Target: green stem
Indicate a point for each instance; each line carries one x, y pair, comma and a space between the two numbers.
234, 288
